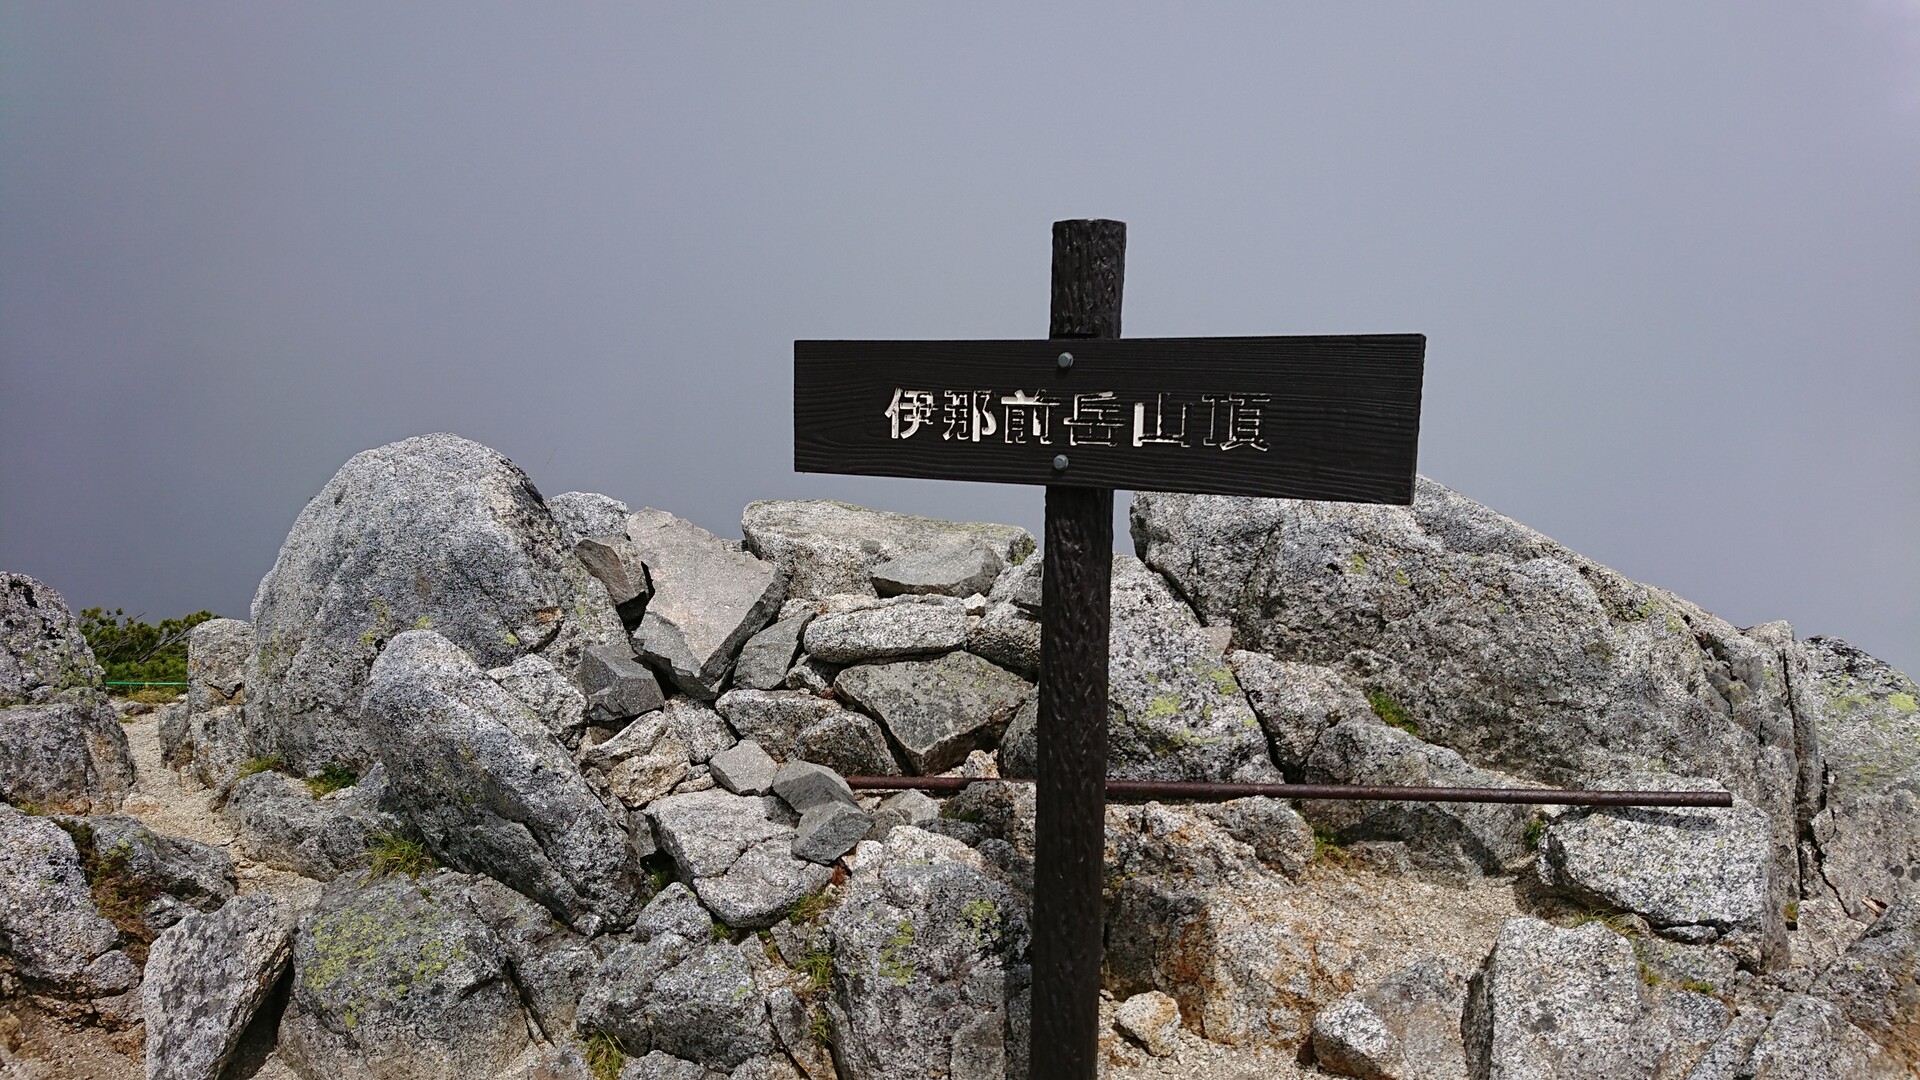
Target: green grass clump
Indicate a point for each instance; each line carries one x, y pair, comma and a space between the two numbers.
1698, 986
264, 763
331, 779
1792, 912
606, 1055
391, 853
154, 695
820, 1027
808, 908
817, 966
1391, 711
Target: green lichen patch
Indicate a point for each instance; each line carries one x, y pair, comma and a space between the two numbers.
1391, 711
896, 965
377, 954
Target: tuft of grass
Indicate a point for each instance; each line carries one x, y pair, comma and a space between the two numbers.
331, 779
721, 931
1391, 711
808, 908
1617, 921
606, 1055
1648, 975
659, 877
264, 763
1698, 986
820, 1027
1536, 831
1326, 846
817, 966
155, 695
1792, 913
391, 853
120, 894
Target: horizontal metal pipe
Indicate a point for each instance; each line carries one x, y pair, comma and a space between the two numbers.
1174, 789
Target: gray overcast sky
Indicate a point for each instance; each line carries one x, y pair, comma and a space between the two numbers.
1667, 254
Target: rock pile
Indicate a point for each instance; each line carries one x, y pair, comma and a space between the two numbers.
572, 777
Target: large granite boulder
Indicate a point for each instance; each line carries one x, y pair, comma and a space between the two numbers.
1174, 710
485, 784
1499, 643
207, 976
61, 747
929, 953
433, 532
736, 852
1697, 873
281, 823
215, 740
937, 710
43, 655
57, 939
400, 978
709, 597
1868, 831
1572, 1004
825, 548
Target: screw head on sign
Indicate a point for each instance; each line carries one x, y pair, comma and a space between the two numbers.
1065, 362
1059, 463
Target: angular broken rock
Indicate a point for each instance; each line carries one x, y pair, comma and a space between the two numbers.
698, 726
398, 540
490, 790
67, 755
207, 975
44, 657
281, 824
1867, 716
804, 785
1009, 637
937, 710
709, 598
745, 769
617, 562
217, 653
1701, 871
187, 875
553, 697
826, 548
961, 569
737, 858
1876, 983
1404, 1027
617, 685
1151, 1019
1296, 703
399, 977
902, 626
847, 742
773, 718
828, 830
642, 763
767, 655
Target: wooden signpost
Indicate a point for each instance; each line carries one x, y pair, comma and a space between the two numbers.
1084, 412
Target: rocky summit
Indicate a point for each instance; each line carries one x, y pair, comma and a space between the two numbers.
495, 786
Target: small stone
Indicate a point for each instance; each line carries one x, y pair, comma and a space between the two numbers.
914, 807
745, 769
804, 784
848, 743
826, 547
617, 562
1405, 1027
1020, 585
580, 514
1008, 636
698, 726
811, 675
1152, 1019
618, 686
829, 830
903, 626
949, 571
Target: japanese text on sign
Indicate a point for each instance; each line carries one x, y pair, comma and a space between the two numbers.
1224, 421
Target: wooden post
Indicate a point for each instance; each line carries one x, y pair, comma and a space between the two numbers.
1089, 262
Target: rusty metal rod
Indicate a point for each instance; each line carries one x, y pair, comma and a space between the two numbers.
1180, 789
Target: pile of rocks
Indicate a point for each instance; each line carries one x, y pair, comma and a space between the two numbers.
572, 775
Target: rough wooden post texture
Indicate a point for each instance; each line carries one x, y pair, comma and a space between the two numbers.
1089, 259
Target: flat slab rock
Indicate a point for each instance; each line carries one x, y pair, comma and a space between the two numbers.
826, 548
737, 854
937, 710
904, 626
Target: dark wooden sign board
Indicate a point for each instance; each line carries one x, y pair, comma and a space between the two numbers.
1327, 418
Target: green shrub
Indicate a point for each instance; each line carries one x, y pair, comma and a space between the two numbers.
331, 779
391, 853
129, 650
